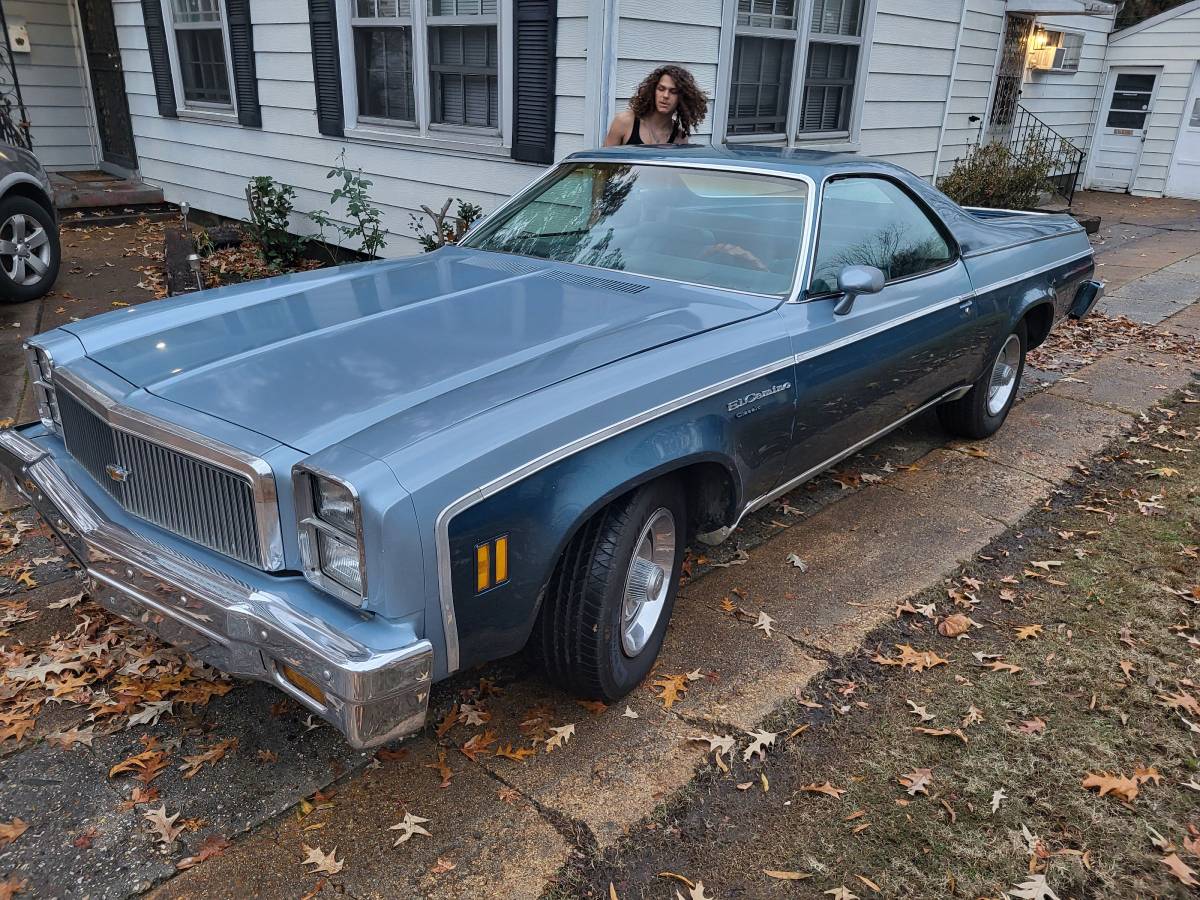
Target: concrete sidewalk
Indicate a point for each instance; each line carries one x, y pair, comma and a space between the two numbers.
502, 826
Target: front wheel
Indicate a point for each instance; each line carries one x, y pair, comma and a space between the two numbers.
29, 250
982, 410
608, 603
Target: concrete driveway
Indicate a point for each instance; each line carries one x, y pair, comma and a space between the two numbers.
888, 523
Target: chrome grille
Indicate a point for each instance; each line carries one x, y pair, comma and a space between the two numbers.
195, 500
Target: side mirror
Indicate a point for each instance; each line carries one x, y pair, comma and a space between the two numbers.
855, 280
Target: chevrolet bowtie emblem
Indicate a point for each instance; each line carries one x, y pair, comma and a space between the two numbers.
117, 473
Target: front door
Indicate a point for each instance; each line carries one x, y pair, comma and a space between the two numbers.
1128, 98
1010, 73
108, 83
860, 373
1184, 178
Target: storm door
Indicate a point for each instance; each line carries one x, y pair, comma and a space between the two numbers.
108, 83
1010, 75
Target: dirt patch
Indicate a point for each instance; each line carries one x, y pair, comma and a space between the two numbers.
1080, 659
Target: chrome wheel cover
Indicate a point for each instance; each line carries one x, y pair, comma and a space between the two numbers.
648, 580
24, 249
1004, 376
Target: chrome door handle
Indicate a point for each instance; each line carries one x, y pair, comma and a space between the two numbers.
967, 306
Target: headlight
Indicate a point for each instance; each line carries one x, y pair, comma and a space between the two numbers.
330, 534
41, 374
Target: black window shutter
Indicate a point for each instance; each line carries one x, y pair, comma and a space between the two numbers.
327, 67
534, 37
241, 47
160, 60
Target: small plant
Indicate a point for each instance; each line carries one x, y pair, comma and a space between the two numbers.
203, 242
270, 204
992, 175
365, 218
446, 229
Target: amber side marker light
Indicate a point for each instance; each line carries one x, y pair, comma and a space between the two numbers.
491, 564
302, 682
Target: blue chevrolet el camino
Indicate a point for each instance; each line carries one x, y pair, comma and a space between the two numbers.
357, 481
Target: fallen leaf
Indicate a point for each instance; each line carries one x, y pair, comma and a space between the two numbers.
916, 781
942, 732
1036, 725
1118, 785
1141, 775
786, 876
442, 866
213, 845
841, 893
560, 737
999, 666
1033, 887
764, 623
1047, 564
1028, 632
1181, 870
213, 755
797, 562
164, 827
408, 826
973, 717
629, 714
869, 883
998, 797
441, 768
520, 754
10, 831
916, 660
326, 863
673, 687
824, 788
758, 746
953, 626
478, 745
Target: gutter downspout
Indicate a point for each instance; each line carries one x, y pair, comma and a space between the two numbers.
962, 24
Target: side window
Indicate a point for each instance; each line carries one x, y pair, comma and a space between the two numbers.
872, 222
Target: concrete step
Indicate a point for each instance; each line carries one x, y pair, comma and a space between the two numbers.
92, 189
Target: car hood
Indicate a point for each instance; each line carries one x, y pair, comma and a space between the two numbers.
310, 360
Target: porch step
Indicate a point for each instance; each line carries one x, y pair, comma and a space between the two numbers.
93, 189
1051, 202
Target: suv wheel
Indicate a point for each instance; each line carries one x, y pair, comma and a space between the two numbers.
29, 250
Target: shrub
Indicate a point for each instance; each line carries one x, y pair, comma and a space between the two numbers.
992, 175
446, 229
270, 205
365, 218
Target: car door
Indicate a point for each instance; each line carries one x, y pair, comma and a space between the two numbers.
896, 351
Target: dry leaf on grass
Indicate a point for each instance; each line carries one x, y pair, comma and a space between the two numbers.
953, 626
916, 781
1118, 785
919, 711
758, 746
1181, 870
942, 732
786, 876
824, 788
1033, 888
916, 660
1028, 632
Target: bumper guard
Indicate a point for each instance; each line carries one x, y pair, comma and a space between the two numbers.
372, 696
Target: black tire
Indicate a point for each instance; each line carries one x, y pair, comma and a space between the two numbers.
968, 416
35, 283
578, 632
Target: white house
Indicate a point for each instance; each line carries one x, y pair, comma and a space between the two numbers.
470, 98
1148, 124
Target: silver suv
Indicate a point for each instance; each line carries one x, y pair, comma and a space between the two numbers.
29, 247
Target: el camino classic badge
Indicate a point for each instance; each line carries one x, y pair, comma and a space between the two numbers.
741, 402
117, 473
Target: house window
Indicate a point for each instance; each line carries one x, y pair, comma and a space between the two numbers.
203, 61
428, 62
1057, 51
796, 68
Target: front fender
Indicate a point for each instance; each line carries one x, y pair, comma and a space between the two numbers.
542, 513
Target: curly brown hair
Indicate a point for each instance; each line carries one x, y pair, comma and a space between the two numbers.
693, 105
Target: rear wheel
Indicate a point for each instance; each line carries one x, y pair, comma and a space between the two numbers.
607, 606
982, 410
29, 250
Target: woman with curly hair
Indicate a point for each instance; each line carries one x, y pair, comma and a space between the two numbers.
666, 109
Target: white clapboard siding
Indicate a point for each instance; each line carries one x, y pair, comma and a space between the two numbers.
1066, 101
53, 84
982, 33
208, 164
1172, 42
911, 55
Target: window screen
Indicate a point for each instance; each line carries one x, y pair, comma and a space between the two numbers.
201, 43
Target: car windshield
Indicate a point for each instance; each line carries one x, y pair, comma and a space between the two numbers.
726, 229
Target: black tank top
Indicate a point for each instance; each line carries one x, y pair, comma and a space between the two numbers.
635, 136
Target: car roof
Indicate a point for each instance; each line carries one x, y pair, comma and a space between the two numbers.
814, 163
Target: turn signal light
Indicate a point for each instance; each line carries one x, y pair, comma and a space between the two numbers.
491, 564
302, 682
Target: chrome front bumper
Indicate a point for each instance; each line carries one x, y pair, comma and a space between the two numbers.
372, 696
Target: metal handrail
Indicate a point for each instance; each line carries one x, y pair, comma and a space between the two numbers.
1030, 134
